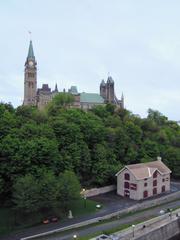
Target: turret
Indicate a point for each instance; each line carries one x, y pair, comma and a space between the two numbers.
56, 88
103, 89
110, 90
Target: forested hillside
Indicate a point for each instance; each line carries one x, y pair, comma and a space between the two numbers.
94, 144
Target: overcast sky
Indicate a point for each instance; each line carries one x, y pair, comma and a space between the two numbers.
77, 42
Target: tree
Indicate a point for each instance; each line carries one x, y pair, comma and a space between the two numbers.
171, 157
110, 108
69, 188
7, 122
26, 194
48, 189
151, 148
61, 100
104, 165
158, 117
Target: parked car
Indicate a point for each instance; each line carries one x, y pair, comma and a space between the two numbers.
50, 219
54, 219
46, 221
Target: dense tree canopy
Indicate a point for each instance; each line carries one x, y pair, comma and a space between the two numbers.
94, 145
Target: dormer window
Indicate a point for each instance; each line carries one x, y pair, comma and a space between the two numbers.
126, 176
155, 174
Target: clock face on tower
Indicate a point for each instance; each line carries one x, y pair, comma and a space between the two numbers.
31, 63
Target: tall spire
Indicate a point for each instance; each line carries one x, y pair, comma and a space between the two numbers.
122, 96
56, 88
31, 52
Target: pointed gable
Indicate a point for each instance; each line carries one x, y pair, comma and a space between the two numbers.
31, 52
146, 170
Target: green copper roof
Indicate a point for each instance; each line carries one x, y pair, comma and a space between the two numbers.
31, 52
91, 98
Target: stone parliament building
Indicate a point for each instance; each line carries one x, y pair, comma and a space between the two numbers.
40, 97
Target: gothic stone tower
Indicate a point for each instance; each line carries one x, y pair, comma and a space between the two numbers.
107, 90
110, 90
30, 78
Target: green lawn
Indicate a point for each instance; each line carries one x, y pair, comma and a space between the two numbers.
81, 207
12, 221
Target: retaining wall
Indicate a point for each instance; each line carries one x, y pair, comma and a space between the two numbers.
165, 232
97, 191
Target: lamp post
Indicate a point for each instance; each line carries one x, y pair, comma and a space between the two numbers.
74, 236
85, 201
84, 197
133, 226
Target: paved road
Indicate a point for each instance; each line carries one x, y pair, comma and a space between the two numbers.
110, 201
141, 216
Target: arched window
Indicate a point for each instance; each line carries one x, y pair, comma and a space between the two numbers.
154, 183
145, 194
126, 176
155, 174
126, 185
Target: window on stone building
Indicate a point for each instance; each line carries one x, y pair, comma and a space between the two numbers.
154, 191
31, 75
155, 174
126, 185
145, 184
154, 183
127, 176
163, 188
145, 194
133, 186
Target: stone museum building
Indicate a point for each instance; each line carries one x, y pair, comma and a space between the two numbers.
40, 97
143, 180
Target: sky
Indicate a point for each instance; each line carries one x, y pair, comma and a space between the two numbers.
78, 42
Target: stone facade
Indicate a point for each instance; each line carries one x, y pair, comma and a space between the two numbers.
134, 183
108, 93
42, 96
30, 78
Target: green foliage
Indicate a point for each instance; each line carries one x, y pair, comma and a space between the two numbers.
41, 145
26, 193
61, 100
69, 188
44, 190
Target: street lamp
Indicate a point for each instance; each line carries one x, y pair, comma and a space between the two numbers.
74, 236
133, 226
84, 197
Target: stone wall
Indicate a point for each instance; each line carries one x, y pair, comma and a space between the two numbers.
164, 232
97, 191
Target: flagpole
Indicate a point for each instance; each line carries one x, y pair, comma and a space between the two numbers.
29, 35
